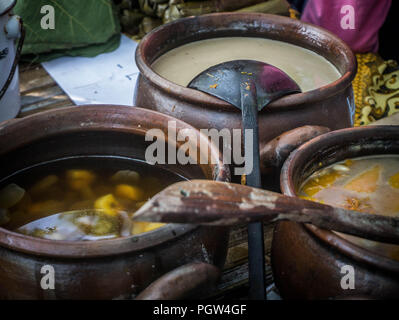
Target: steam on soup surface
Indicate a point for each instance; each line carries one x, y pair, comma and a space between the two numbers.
117, 187
367, 184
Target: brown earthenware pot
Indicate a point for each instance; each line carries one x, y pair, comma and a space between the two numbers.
306, 260
105, 269
331, 105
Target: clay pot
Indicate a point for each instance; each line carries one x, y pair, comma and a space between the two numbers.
306, 260
331, 105
105, 269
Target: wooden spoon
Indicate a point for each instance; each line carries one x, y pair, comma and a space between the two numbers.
208, 202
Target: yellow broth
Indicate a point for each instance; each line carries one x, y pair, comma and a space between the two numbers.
367, 184
115, 186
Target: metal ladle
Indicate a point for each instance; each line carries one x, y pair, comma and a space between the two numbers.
249, 86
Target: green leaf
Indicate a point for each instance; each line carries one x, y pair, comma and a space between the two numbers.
89, 51
88, 25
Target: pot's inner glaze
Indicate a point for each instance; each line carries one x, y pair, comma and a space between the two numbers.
308, 69
368, 184
116, 186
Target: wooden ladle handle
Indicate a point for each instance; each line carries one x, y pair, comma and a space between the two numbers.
219, 203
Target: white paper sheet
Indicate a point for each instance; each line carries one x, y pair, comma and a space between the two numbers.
108, 78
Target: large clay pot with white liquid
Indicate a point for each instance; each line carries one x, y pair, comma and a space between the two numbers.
331, 105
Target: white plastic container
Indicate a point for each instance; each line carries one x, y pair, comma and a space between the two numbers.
10, 31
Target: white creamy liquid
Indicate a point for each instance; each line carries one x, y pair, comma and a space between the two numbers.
308, 69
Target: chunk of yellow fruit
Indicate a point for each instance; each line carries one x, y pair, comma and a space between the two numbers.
138, 227
141, 227
394, 181
108, 204
79, 180
153, 226
77, 174
318, 183
366, 181
129, 192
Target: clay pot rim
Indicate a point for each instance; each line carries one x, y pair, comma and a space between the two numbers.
285, 103
322, 142
87, 119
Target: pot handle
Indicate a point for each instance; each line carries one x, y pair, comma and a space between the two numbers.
182, 282
275, 152
14, 29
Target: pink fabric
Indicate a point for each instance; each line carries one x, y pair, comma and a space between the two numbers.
369, 15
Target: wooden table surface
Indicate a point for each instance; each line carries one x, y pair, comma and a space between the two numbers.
39, 92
